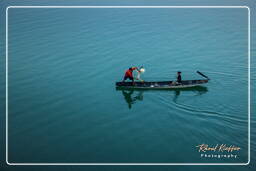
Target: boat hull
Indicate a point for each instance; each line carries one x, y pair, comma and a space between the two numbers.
160, 84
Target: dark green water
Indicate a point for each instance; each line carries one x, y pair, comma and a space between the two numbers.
63, 106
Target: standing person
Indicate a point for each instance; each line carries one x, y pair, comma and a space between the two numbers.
179, 77
129, 75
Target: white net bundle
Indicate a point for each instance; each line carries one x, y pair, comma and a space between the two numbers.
141, 70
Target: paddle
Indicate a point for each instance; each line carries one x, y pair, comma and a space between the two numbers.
203, 75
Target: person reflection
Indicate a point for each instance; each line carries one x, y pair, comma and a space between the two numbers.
197, 90
176, 95
132, 99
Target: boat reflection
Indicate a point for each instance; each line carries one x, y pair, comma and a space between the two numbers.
133, 95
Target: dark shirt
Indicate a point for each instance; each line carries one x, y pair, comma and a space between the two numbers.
179, 79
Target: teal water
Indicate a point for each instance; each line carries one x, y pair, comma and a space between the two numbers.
63, 105
63, 65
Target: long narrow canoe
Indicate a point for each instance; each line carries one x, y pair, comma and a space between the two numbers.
161, 84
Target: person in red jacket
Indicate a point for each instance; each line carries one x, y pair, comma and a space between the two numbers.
129, 75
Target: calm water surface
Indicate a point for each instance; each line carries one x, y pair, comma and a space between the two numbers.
63, 65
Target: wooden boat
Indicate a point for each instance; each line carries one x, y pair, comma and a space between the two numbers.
161, 84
